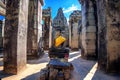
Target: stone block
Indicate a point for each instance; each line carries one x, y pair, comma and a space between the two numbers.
90, 52
91, 29
91, 35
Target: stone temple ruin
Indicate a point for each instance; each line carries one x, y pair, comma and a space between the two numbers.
98, 38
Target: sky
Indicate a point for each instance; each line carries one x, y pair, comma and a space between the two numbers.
68, 6
1, 17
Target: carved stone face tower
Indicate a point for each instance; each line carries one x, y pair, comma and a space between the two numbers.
60, 23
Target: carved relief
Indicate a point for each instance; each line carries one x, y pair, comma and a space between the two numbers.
115, 31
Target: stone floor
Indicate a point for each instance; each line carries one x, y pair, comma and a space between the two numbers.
83, 69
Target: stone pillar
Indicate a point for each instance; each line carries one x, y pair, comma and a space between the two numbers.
34, 26
70, 25
40, 34
88, 30
75, 17
50, 36
74, 36
109, 35
47, 28
46, 33
79, 34
15, 35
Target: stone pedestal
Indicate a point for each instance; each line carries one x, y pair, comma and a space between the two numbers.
88, 33
109, 35
15, 35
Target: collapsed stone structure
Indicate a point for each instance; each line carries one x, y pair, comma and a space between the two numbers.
60, 23
100, 33
74, 20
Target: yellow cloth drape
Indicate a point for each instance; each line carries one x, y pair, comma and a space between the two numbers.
59, 41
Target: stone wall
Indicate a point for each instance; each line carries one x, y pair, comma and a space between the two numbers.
109, 34
88, 34
15, 36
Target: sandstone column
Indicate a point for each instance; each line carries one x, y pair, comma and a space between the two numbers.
75, 17
47, 28
15, 38
34, 27
2, 8
109, 34
70, 25
50, 35
88, 33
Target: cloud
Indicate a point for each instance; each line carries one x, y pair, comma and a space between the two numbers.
44, 4
70, 9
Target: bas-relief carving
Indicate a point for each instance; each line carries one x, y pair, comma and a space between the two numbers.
114, 5
115, 31
114, 19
